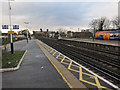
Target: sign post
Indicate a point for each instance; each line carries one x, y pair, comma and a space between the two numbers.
11, 39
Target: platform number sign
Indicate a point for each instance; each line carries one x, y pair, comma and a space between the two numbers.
15, 26
4, 26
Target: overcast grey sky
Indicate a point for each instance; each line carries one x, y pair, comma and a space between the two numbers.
57, 14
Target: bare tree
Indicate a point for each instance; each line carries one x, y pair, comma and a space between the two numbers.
94, 24
106, 25
62, 31
116, 23
101, 23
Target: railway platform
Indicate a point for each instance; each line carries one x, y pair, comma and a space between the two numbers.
44, 67
90, 79
104, 42
38, 71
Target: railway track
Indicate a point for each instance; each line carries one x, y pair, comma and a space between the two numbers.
86, 58
103, 50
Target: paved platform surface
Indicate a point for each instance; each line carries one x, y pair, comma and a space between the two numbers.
106, 42
89, 79
36, 71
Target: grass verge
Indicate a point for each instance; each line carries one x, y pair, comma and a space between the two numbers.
11, 60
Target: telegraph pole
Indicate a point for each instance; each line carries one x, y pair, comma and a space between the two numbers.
11, 39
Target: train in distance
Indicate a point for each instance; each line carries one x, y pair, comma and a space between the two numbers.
108, 35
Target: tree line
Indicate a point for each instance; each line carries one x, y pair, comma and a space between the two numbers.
103, 23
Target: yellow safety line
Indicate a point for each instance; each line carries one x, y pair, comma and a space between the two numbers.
51, 51
70, 65
56, 68
67, 60
88, 74
62, 59
65, 63
75, 66
73, 70
54, 53
98, 84
58, 56
89, 82
80, 73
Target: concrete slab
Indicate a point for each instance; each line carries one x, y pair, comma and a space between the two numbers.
36, 71
71, 80
90, 79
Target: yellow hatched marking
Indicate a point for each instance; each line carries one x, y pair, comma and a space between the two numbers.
80, 73
61, 56
98, 84
62, 59
65, 63
89, 82
58, 56
67, 60
51, 51
70, 65
70, 68
56, 68
88, 74
73, 70
54, 53
75, 66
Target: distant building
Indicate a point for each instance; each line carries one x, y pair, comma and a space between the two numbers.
69, 34
84, 34
87, 30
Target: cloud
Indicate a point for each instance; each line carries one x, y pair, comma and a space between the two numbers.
49, 14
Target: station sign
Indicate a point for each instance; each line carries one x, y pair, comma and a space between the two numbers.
4, 26
15, 26
10, 32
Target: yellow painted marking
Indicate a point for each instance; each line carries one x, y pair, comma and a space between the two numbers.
67, 60
75, 65
80, 73
70, 65
62, 59
88, 74
51, 51
65, 63
73, 70
56, 68
89, 82
98, 84
54, 53
58, 56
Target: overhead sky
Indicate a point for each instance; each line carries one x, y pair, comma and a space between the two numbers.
53, 15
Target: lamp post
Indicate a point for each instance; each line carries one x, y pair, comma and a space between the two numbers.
27, 29
11, 39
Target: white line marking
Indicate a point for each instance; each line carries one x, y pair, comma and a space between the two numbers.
87, 69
